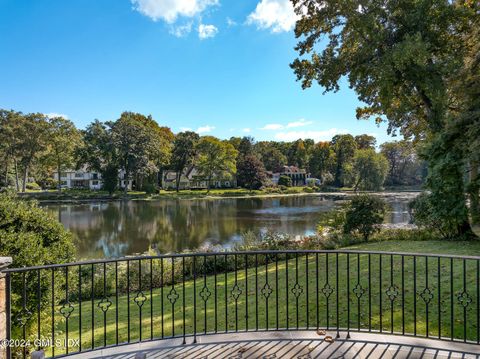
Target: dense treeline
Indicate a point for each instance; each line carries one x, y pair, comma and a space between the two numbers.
34, 147
416, 65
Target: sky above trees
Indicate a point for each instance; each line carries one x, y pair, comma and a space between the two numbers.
217, 67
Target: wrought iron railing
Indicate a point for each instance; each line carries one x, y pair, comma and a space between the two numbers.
79, 307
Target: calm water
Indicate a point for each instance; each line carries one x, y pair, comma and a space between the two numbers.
127, 227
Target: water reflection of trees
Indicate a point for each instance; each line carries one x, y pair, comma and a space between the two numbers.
127, 227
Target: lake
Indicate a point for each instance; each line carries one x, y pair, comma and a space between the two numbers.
115, 229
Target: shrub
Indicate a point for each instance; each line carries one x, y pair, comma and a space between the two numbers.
32, 237
364, 215
285, 181
33, 186
425, 214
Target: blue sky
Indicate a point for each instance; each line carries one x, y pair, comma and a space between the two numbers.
219, 67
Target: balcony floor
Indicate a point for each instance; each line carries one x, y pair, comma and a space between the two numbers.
301, 345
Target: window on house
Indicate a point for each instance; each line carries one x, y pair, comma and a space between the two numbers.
94, 183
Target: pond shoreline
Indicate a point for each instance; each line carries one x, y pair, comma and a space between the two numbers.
167, 196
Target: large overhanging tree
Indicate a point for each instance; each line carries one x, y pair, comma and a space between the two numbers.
401, 57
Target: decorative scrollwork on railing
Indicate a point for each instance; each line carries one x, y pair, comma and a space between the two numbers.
173, 296
358, 290
464, 299
266, 290
205, 293
426, 295
104, 304
297, 290
327, 290
392, 292
236, 291
67, 309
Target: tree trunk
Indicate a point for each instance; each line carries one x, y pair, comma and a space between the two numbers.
6, 172
177, 179
125, 186
59, 184
208, 184
474, 193
25, 177
17, 187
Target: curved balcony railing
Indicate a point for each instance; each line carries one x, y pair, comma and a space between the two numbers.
80, 307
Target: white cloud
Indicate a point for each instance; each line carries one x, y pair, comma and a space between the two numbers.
54, 114
300, 123
247, 130
314, 135
206, 31
170, 10
272, 126
181, 30
276, 15
184, 129
205, 129
276, 126
231, 22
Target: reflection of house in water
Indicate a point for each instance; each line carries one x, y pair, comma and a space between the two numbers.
192, 179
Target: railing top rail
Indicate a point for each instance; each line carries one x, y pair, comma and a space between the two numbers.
202, 254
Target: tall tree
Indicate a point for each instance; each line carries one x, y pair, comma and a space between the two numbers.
9, 143
99, 153
273, 159
63, 142
298, 154
216, 158
400, 59
184, 152
405, 168
369, 170
137, 143
32, 141
250, 172
344, 147
321, 160
245, 147
365, 141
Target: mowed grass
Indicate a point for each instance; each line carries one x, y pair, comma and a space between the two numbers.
297, 296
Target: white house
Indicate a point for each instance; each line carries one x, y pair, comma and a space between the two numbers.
84, 179
298, 176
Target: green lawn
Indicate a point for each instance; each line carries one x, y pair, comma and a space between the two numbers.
252, 310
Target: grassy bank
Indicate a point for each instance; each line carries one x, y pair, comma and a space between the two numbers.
252, 310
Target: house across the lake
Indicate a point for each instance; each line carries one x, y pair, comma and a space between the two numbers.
191, 179
298, 176
84, 179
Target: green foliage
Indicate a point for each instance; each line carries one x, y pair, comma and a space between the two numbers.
321, 161
250, 172
405, 167
403, 59
31, 237
427, 214
344, 147
216, 158
63, 141
271, 155
365, 142
184, 152
285, 181
364, 215
369, 169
